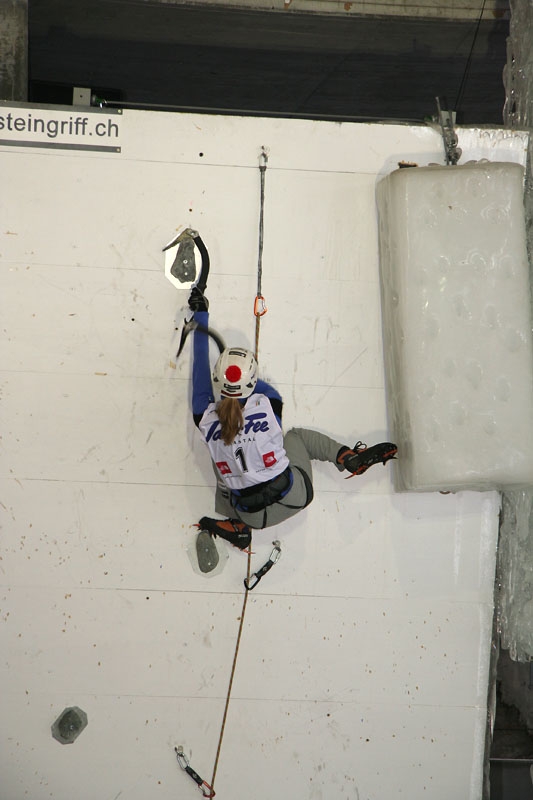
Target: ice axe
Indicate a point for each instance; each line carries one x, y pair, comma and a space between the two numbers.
181, 271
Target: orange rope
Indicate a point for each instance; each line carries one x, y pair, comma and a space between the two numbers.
259, 310
234, 665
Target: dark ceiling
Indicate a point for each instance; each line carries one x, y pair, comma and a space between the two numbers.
159, 54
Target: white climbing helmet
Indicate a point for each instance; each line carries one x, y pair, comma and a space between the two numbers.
235, 373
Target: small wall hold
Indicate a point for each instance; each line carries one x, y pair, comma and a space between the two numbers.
69, 725
206, 550
184, 266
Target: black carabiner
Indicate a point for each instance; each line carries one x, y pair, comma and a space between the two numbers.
275, 556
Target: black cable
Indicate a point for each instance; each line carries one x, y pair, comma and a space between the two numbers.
460, 93
126, 104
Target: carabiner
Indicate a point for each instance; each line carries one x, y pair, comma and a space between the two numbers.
183, 761
210, 792
275, 555
251, 582
263, 158
260, 305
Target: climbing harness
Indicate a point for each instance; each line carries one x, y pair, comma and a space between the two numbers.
252, 581
183, 761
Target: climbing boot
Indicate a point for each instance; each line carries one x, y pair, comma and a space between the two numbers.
358, 459
232, 530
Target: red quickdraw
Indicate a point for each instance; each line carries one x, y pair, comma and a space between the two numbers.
183, 761
260, 305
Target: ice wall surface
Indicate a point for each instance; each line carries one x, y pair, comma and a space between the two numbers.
516, 531
362, 670
457, 326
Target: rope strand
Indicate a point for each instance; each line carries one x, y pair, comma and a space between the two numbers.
462, 86
234, 665
259, 310
262, 170
259, 304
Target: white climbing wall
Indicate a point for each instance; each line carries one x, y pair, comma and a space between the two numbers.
362, 670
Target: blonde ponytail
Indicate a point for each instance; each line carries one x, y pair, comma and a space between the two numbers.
229, 412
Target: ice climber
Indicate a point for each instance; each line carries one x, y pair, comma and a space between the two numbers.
263, 476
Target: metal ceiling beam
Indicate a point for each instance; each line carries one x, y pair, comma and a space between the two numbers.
427, 9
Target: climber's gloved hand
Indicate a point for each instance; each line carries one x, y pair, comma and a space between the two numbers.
197, 301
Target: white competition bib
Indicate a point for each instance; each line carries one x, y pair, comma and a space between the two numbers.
257, 453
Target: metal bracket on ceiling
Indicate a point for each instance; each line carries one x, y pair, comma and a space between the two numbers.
446, 120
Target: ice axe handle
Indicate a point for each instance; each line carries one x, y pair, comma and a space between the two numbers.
204, 272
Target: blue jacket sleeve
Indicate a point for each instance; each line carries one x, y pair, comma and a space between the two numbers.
202, 389
262, 387
276, 401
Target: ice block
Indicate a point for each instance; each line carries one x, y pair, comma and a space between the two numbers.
456, 311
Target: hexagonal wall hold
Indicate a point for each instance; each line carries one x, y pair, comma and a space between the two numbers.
69, 725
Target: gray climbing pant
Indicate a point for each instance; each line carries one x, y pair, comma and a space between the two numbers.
302, 446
